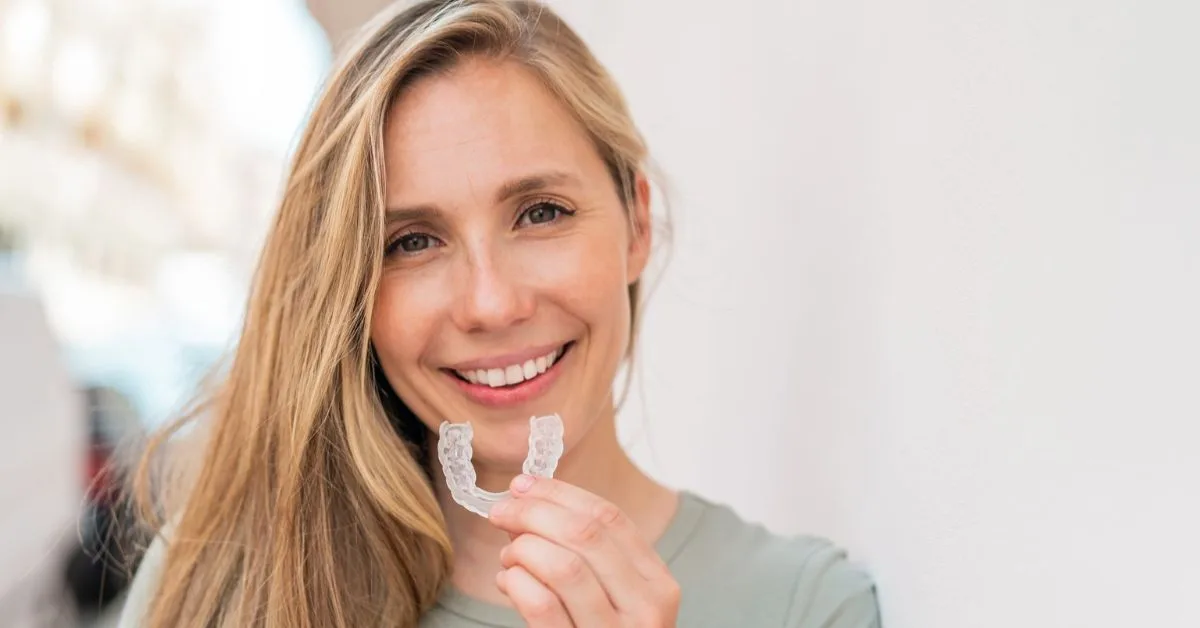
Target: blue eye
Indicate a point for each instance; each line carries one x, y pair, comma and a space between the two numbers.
542, 213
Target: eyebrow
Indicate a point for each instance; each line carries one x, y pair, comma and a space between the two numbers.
533, 183
510, 189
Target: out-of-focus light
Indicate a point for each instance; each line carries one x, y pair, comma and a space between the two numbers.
134, 117
24, 31
84, 309
267, 59
147, 60
202, 296
79, 76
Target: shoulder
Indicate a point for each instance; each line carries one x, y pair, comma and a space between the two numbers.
768, 579
830, 590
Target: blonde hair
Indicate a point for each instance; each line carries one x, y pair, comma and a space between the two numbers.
309, 504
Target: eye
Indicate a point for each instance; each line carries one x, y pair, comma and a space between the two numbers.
411, 243
543, 212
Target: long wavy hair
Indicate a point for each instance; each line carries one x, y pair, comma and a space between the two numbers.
305, 497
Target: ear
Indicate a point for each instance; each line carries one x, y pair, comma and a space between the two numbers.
640, 230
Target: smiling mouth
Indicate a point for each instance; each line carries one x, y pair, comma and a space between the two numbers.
513, 374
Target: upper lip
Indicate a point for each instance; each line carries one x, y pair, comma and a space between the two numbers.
508, 359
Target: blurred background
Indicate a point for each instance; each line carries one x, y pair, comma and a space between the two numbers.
932, 293
142, 144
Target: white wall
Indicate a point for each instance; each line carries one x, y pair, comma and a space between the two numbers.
935, 291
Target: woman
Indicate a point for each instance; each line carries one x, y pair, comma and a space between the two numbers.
461, 239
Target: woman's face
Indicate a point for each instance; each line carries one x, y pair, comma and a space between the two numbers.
509, 253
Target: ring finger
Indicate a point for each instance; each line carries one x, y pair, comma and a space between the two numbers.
567, 574
538, 605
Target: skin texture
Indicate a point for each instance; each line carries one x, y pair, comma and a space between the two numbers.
472, 273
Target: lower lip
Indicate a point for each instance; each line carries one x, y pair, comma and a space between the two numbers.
508, 396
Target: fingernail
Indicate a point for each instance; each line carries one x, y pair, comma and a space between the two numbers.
498, 509
522, 483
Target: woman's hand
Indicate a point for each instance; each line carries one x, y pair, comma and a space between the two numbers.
577, 560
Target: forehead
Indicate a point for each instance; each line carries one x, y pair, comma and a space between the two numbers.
458, 136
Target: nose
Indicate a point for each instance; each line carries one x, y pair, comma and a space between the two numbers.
494, 297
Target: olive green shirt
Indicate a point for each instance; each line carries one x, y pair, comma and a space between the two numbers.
732, 574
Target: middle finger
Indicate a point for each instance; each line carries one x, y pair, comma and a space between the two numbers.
580, 533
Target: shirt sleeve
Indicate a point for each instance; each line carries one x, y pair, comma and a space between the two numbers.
145, 582
832, 592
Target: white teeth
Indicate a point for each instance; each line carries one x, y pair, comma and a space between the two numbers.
513, 374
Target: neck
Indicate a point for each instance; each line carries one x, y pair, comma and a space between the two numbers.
597, 464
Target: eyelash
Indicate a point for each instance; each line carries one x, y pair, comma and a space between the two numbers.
393, 245
559, 208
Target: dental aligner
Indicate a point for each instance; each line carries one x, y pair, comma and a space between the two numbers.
455, 452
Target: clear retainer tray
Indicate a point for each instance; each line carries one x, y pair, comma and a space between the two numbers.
454, 452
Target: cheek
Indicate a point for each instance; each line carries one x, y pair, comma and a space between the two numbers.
398, 322
584, 274
589, 259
